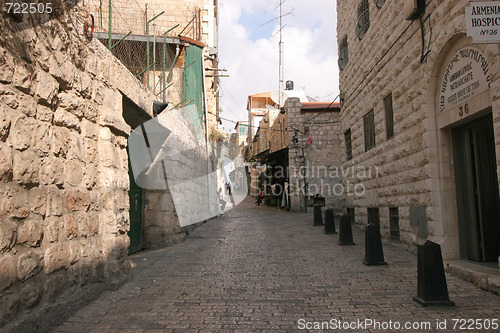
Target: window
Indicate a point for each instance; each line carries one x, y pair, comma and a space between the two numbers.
350, 212
243, 130
373, 216
348, 144
363, 18
379, 3
389, 116
394, 223
343, 53
369, 125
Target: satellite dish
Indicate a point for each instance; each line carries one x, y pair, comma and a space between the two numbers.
279, 97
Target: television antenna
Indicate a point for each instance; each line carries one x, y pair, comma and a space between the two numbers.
281, 66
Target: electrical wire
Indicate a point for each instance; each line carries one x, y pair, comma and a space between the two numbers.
424, 52
358, 91
321, 112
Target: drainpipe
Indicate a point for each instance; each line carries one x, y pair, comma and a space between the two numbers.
109, 24
205, 102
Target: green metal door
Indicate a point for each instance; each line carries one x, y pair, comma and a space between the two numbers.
136, 214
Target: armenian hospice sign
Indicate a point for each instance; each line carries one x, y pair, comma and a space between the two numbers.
466, 76
482, 19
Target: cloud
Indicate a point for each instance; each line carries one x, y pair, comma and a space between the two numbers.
249, 51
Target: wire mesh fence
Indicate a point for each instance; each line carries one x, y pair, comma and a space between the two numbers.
143, 35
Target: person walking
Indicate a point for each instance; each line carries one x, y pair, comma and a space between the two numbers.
259, 198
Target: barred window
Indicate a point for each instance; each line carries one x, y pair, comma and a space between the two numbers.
373, 216
369, 127
389, 116
363, 18
343, 53
379, 3
348, 144
394, 223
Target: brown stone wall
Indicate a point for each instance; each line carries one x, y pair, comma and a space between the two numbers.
63, 170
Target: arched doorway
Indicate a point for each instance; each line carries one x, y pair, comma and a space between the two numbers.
464, 146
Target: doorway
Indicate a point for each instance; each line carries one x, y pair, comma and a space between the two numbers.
135, 214
476, 181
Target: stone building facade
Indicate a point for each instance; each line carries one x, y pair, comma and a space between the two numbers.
242, 132
299, 150
314, 154
66, 108
421, 104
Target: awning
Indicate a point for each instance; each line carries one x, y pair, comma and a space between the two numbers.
279, 157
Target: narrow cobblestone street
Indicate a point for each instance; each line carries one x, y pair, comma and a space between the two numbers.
258, 269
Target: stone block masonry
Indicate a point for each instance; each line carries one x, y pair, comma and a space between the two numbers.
63, 170
315, 154
415, 158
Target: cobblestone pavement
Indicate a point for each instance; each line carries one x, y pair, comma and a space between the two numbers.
258, 269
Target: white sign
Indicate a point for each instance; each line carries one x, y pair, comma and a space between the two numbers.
466, 76
483, 21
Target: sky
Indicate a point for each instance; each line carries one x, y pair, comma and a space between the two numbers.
248, 49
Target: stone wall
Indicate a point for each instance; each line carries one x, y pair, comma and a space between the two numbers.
365, 82
415, 167
319, 159
63, 170
279, 133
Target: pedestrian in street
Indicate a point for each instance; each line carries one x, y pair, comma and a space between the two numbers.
222, 202
259, 198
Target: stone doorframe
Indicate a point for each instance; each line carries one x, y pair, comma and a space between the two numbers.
444, 225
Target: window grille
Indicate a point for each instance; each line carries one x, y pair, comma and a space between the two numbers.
348, 144
343, 53
363, 18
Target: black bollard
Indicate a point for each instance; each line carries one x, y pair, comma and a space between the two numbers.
431, 281
345, 230
374, 254
329, 222
318, 219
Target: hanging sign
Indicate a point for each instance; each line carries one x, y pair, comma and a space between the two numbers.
466, 76
482, 19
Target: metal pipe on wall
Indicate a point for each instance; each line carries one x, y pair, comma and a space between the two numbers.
205, 102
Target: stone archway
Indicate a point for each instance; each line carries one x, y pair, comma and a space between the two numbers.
459, 92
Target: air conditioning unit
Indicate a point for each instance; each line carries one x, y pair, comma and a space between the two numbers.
413, 9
